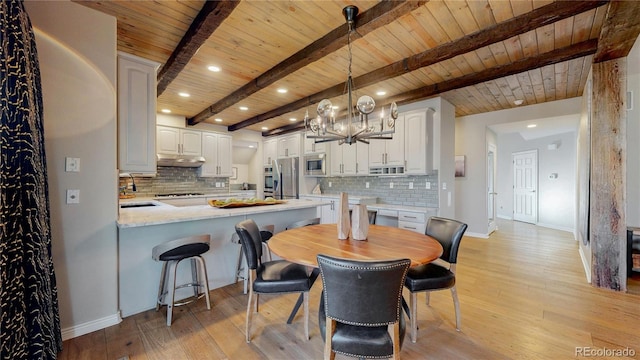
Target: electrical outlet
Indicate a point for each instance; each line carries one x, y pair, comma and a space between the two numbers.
391, 185
71, 164
329, 183
73, 196
366, 185
411, 185
428, 186
217, 184
444, 186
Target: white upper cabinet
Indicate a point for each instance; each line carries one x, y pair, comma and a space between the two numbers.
216, 149
289, 145
136, 114
177, 141
388, 153
270, 150
310, 146
416, 141
349, 159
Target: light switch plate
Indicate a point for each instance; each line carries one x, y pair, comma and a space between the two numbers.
411, 185
428, 186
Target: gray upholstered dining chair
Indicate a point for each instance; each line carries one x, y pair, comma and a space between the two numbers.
360, 312
271, 277
433, 276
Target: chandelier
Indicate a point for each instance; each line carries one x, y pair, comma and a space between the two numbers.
356, 124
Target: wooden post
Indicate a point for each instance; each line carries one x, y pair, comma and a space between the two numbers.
608, 171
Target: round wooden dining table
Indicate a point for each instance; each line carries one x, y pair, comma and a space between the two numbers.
302, 245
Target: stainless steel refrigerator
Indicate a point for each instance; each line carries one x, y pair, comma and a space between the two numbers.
286, 174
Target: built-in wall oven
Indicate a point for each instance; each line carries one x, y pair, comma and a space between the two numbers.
269, 185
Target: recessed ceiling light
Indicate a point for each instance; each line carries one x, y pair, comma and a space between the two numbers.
282, 91
217, 120
184, 94
518, 102
531, 125
244, 108
166, 111
292, 119
213, 68
381, 93
265, 128
251, 146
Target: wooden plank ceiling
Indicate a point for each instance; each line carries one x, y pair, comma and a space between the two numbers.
481, 55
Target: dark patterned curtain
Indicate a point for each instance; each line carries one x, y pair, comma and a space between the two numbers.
29, 319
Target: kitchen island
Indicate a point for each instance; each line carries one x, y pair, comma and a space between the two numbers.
147, 223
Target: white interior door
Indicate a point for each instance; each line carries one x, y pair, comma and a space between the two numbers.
525, 186
491, 186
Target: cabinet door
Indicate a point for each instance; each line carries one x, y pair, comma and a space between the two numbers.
395, 147
335, 158
210, 153
136, 114
349, 159
225, 147
191, 142
328, 213
311, 147
377, 152
270, 151
416, 142
168, 139
362, 159
293, 145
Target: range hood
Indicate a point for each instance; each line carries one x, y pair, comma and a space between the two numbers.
180, 160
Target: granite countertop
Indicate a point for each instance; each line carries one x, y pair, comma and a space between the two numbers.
162, 213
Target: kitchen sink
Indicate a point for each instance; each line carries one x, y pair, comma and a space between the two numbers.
137, 205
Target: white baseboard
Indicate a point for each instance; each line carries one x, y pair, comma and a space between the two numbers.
556, 227
476, 235
504, 217
91, 326
585, 264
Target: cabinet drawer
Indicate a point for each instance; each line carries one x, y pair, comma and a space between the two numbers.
412, 217
417, 227
389, 213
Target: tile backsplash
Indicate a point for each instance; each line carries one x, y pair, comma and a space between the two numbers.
400, 194
176, 180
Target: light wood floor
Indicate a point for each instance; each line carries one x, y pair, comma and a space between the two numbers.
523, 295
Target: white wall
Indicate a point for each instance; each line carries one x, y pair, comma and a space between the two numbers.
556, 197
77, 55
471, 138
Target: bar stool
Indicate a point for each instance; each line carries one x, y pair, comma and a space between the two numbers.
171, 253
266, 232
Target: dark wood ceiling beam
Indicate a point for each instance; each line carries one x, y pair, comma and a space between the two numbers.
545, 15
582, 49
381, 14
620, 30
205, 23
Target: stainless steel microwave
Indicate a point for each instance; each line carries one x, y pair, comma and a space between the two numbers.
315, 165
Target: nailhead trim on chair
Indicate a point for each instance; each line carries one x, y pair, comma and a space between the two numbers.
398, 307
